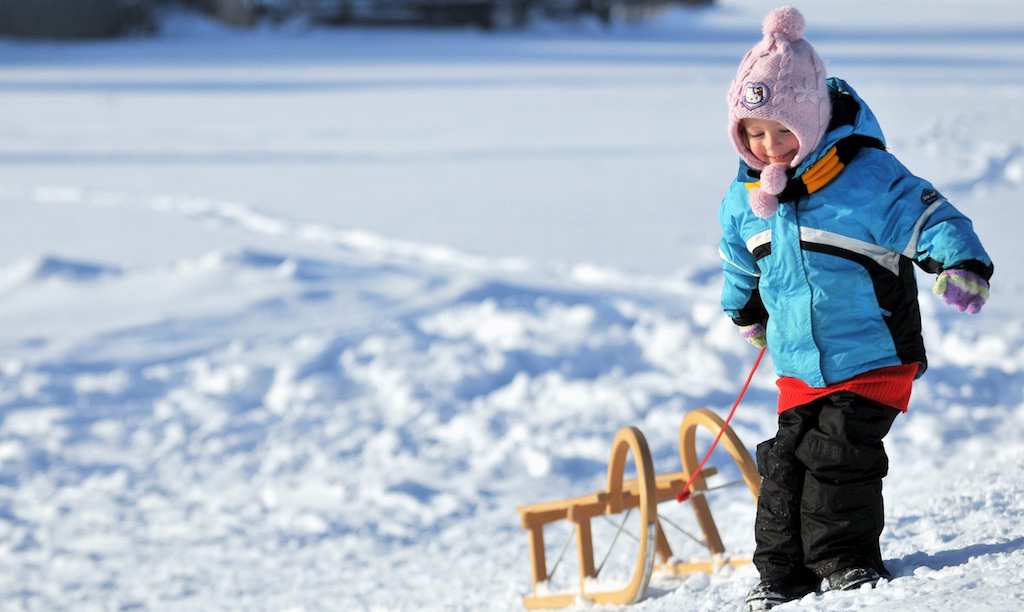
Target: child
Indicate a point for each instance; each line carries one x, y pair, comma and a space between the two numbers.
821, 230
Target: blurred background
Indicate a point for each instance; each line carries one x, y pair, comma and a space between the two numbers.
107, 18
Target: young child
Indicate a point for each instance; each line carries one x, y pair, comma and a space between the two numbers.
821, 231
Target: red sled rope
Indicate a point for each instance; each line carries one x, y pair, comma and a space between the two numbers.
685, 493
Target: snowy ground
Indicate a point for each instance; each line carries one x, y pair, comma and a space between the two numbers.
295, 319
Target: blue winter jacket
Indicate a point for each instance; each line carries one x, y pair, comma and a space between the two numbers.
831, 274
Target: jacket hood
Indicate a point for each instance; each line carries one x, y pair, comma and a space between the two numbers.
850, 115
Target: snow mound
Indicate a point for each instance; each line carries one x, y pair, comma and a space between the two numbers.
54, 268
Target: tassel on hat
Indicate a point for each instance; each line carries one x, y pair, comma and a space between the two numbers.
764, 200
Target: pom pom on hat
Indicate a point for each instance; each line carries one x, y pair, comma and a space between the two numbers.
763, 203
786, 21
764, 199
774, 179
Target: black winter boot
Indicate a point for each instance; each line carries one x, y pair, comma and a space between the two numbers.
852, 578
770, 593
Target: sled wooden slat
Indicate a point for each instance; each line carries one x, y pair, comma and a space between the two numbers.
667, 486
643, 492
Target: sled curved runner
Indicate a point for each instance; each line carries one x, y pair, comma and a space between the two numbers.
643, 493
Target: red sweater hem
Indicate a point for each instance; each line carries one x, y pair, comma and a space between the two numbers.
889, 386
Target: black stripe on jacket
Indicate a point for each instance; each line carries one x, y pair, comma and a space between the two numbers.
896, 295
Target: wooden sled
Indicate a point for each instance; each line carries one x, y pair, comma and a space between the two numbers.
643, 492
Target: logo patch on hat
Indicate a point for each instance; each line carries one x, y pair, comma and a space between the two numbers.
755, 95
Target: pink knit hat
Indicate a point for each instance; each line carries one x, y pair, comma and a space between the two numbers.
781, 78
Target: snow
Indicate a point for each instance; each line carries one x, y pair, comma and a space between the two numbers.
294, 319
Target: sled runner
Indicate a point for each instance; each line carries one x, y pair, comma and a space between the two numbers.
642, 493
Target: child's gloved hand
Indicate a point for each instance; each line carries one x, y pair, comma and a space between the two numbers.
964, 290
754, 334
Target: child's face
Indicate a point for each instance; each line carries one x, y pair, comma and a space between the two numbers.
769, 141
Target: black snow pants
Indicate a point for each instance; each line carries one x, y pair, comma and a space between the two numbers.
820, 508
